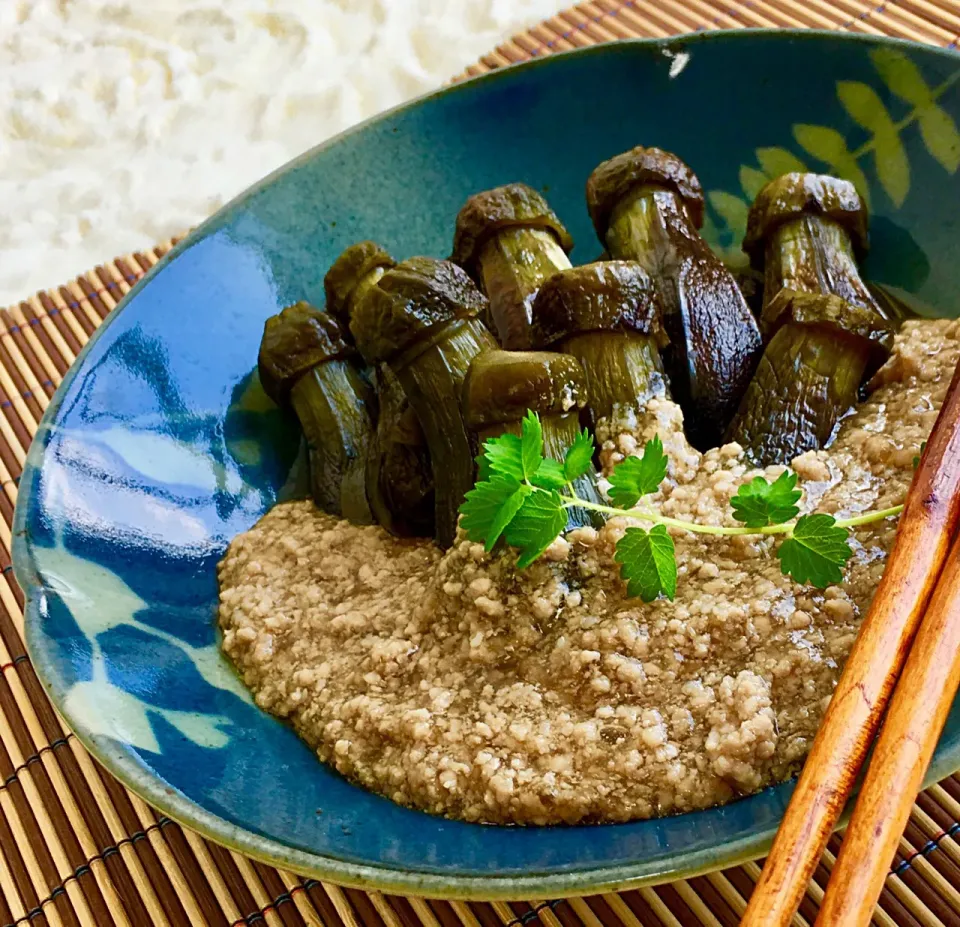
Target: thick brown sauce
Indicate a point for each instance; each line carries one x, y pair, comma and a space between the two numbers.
453, 683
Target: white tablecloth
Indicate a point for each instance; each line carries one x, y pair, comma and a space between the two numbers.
123, 122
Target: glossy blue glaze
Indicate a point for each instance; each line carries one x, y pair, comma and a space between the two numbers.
160, 447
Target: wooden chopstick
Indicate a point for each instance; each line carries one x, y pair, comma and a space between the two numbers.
927, 526
917, 714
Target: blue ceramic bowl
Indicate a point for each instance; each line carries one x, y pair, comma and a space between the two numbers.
159, 447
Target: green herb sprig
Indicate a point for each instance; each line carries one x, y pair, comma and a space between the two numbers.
521, 498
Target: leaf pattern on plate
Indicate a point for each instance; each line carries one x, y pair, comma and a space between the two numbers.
725, 224
725, 237
830, 147
117, 605
732, 209
940, 135
777, 161
937, 127
107, 708
752, 181
864, 106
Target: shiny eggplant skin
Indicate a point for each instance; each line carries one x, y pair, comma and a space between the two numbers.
514, 205
510, 240
512, 266
805, 232
821, 349
824, 328
647, 206
433, 383
806, 378
331, 403
421, 319
502, 386
306, 364
294, 341
623, 371
399, 476
398, 313
357, 268
607, 315
797, 195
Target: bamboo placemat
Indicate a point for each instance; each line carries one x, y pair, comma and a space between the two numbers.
78, 850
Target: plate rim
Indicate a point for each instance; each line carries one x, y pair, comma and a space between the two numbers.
173, 804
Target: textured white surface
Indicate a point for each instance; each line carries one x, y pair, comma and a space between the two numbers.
123, 122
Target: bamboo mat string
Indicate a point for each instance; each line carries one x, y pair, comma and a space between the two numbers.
77, 849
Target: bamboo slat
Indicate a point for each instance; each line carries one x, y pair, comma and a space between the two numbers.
77, 849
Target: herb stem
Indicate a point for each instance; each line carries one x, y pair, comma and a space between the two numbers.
868, 517
721, 530
570, 501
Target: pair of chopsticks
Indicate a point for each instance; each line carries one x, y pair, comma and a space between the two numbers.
920, 589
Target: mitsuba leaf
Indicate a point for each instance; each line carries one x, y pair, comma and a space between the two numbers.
816, 551
648, 562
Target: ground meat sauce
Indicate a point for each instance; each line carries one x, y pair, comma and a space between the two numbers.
453, 683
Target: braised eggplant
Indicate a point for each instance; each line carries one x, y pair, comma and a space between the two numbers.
510, 240
502, 386
399, 478
647, 206
608, 316
804, 231
421, 319
351, 274
306, 364
399, 474
820, 349
824, 329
